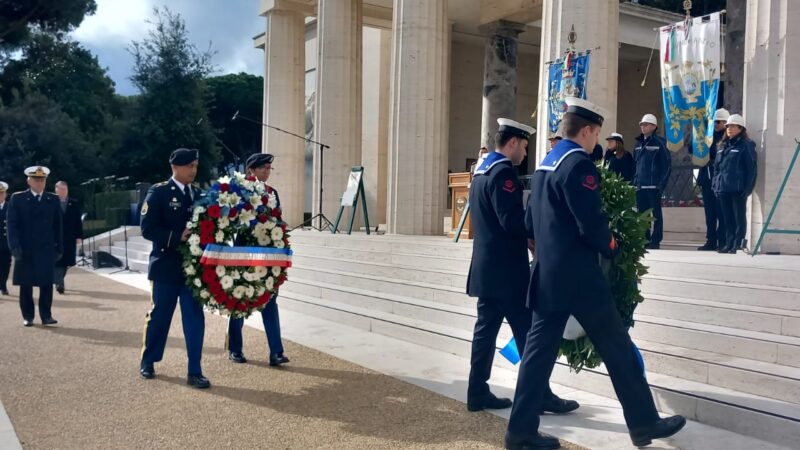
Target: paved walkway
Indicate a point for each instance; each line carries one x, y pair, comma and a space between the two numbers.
76, 385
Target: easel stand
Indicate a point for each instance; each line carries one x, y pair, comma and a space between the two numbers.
766, 228
355, 190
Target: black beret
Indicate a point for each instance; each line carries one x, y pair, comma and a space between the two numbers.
183, 156
257, 160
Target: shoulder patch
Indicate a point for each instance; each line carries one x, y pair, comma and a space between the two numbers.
590, 182
509, 186
144, 209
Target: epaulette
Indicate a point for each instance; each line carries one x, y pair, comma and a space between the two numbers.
163, 183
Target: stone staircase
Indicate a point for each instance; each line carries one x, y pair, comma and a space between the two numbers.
720, 334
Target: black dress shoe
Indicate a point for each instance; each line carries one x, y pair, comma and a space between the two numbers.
238, 358
277, 360
27, 323
488, 402
538, 442
666, 427
4, 291
49, 321
652, 246
558, 405
198, 381
60, 289
147, 371
724, 249
708, 246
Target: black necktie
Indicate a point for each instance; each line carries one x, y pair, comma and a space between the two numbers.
38, 197
187, 192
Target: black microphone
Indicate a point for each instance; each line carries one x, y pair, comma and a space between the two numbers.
235, 115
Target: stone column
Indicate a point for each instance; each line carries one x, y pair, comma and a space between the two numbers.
597, 25
284, 104
418, 131
337, 114
772, 112
499, 77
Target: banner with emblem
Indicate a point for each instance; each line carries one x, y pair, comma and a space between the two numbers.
566, 78
690, 66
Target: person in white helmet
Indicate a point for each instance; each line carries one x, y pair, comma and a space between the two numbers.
735, 178
653, 165
715, 226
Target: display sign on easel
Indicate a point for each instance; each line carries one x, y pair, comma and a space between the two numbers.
350, 198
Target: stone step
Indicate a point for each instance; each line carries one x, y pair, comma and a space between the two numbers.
764, 418
764, 270
729, 292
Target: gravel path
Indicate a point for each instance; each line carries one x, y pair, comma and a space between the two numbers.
76, 385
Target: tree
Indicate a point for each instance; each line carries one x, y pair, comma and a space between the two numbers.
18, 18
236, 92
171, 112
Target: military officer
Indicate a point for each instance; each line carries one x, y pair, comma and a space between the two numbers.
165, 211
5, 253
565, 219
34, 238
259, 165
499, 270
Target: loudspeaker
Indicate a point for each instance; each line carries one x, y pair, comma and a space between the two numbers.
102, 259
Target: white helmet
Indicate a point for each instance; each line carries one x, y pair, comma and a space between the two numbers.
721, 114
649, 118
735, 119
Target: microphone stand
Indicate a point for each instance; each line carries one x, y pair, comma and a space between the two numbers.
323, 222
125, 237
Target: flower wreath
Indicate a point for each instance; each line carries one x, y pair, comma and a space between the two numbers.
238, 251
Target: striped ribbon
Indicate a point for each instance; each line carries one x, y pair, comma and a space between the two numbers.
223, 255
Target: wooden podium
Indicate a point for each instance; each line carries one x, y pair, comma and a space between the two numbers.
459, 185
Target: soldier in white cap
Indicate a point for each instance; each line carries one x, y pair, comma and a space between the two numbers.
34, 238
565, 219
5, 254
499, 270
653, 166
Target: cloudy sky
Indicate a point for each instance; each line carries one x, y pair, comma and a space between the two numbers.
228, 25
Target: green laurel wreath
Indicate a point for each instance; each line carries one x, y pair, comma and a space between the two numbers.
626, 269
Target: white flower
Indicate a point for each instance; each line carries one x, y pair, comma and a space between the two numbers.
190, 224
189, 270
270, 224
261, 271
220, 271
205, 294
195, 250
247, 184
276, 270
194, 239
226, 282
270, 283
276, 234
273, 200
255, 200
199, 210
260, 291
260, 187
263, 240
246, 216
250, 291
224, 179
235, 275
220, 236
223, 223
279, 244
197, 282
239, 291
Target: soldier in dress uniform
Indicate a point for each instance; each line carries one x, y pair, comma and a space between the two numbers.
165, 211
564, 217
499, 270
259, 165
5, 253
72, 233
34, 238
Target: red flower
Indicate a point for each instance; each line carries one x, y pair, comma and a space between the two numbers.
251, 178
232, 213
208, 277
262, 218
276, 212
224, 187
214, 211
283, 227
248, 206
207, 226
264, 200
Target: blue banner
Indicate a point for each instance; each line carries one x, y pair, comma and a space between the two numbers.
567, 78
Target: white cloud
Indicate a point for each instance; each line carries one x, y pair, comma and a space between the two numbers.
115, 22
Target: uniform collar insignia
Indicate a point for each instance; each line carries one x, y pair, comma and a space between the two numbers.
491, 160
558, 154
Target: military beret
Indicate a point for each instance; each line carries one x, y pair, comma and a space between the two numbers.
183, 156
3, 186
258, 159
37, 172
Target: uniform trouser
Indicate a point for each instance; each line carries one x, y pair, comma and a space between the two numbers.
651, 199
600, 319
484, 339
59, 273
5, 268
734, 212
272, 326
715, 225
156, 326
45, 302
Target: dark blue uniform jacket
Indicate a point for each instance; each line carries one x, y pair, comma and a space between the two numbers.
653, 163
736, 167
34, 234
707, 173
499, 267
165, 212
565, 218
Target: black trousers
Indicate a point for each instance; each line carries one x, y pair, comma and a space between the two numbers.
734, 213
59, 272
715, 225
5, 268
491, 312
45, 302
600, 319
651, 199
